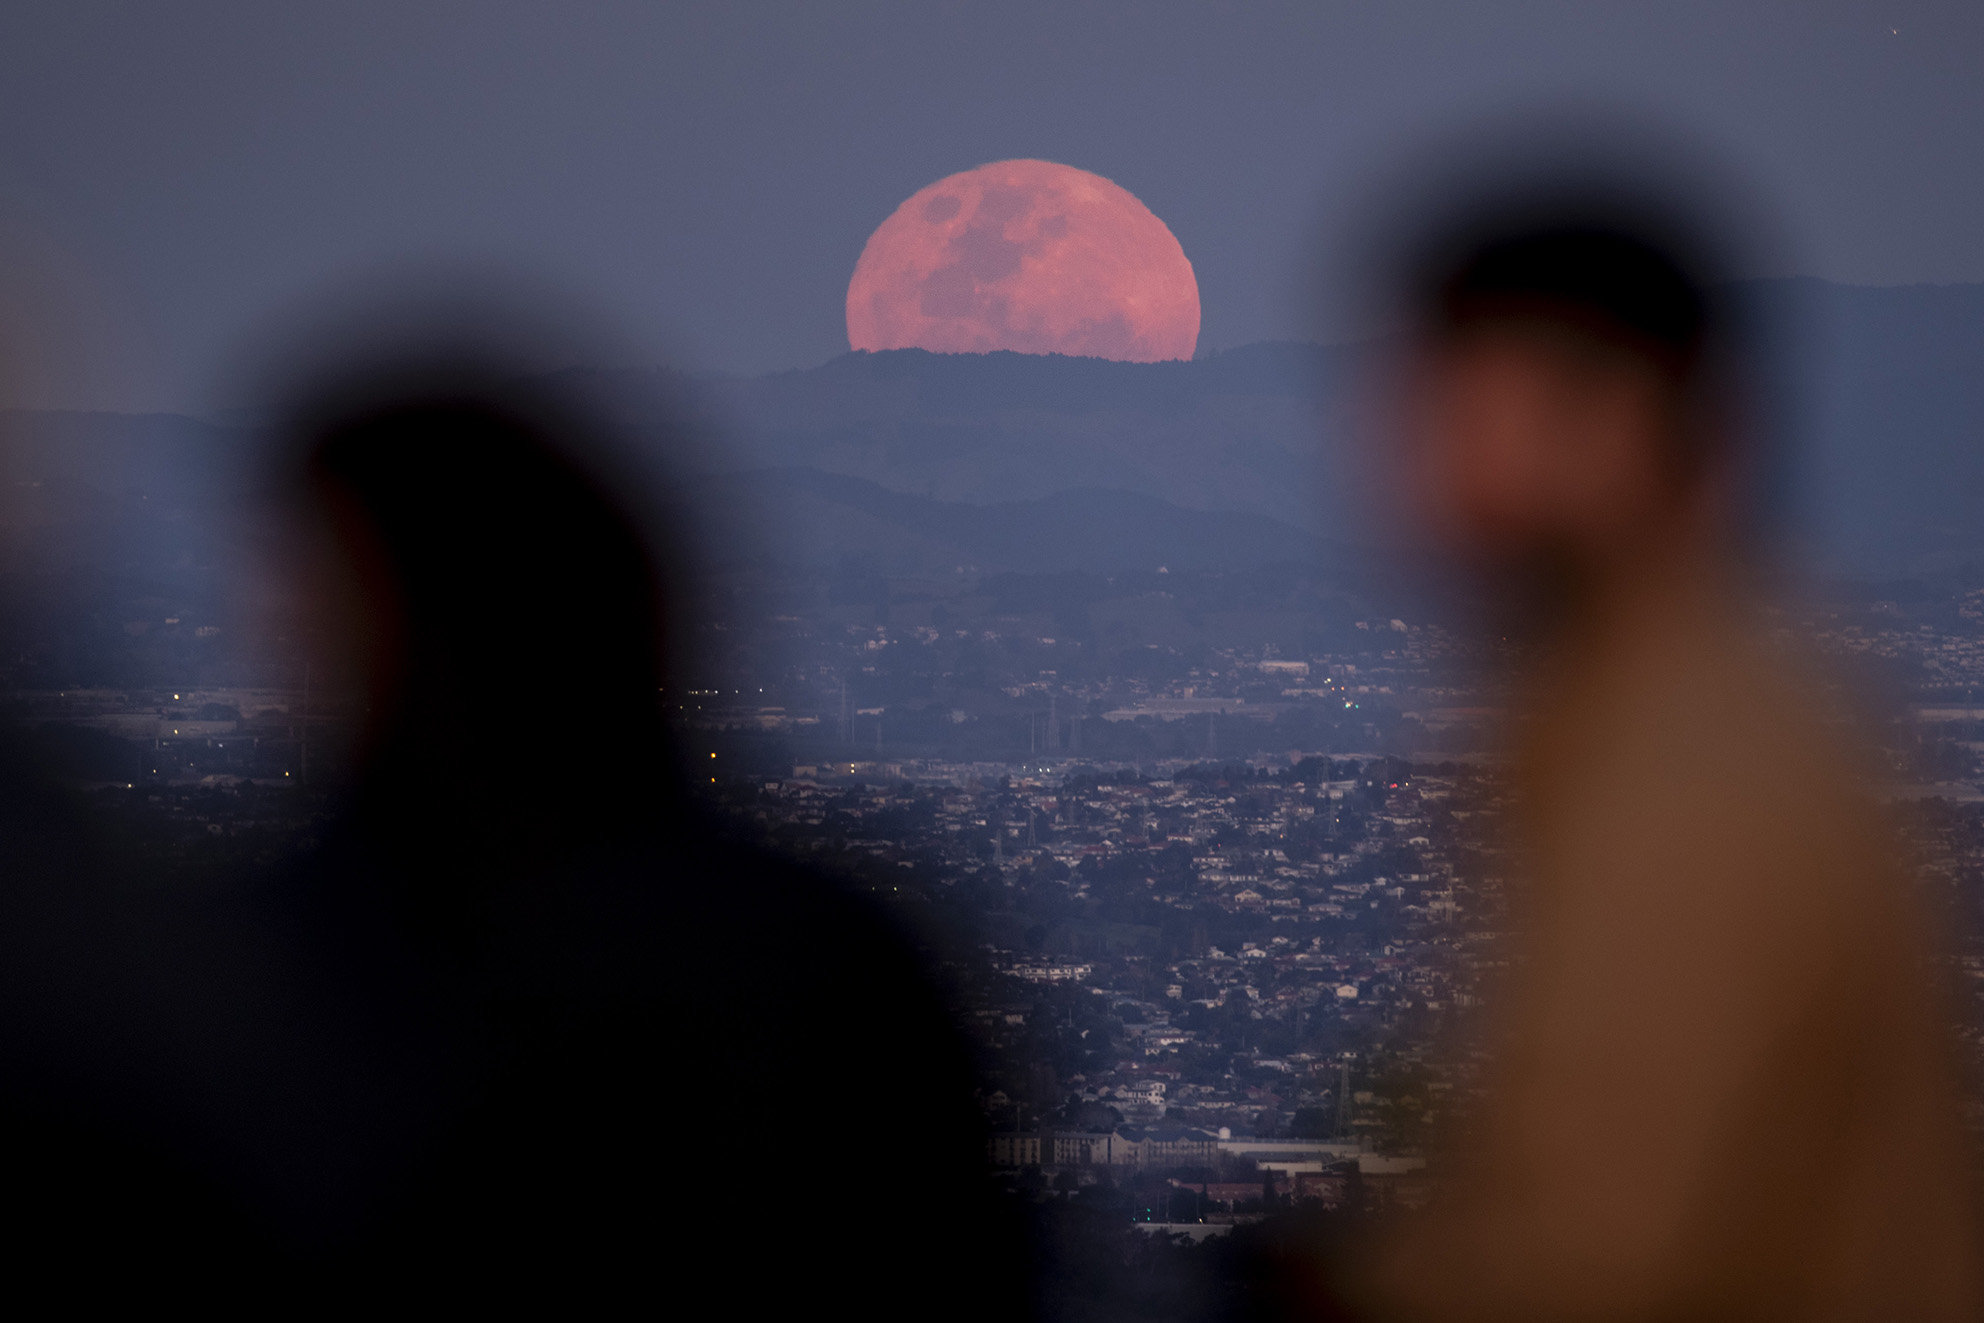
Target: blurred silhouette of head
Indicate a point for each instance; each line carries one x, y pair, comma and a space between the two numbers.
1564, 415
506, 612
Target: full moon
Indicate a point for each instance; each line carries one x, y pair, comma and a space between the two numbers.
1029, 256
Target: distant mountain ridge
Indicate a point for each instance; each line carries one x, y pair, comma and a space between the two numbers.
1889, 476
1879, 392
797, 518
1244, 431
1008, 460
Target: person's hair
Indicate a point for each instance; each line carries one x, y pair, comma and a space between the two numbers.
1624, 288
1614, 270
515, 568
521, 718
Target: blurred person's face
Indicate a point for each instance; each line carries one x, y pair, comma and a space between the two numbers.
1527, 441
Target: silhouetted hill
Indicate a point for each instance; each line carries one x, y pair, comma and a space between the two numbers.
124, 541
1886, 474
1891, 474
1245, 431
911, 458
162, 456
801, 518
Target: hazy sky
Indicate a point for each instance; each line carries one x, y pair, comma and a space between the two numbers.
179, 181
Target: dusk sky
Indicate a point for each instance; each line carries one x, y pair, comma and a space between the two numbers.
178, 182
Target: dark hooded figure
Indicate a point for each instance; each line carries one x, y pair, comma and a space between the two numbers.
520, 1030
639, 1063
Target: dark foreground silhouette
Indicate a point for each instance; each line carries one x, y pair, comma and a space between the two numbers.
521, 1029
1725, 1085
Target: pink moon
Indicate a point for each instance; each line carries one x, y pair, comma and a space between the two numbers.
1029, 256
